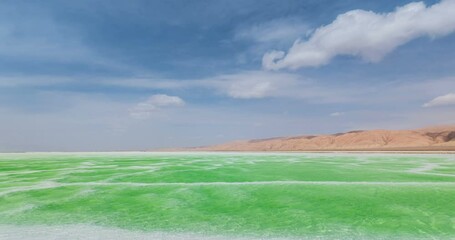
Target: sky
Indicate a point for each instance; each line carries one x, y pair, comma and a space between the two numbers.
139, 74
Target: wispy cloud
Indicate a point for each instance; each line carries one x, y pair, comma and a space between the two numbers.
366, 34
254, 84
249, 85
246, 85
31, 33
37, 37
32, 81
276, 30
445, 100
262, 36
337, 114
153, 104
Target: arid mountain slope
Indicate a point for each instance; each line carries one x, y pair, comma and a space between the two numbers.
434, 138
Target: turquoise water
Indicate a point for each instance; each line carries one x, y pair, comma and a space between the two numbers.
227, 195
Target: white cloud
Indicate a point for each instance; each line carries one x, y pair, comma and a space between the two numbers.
265, 84
253, 84
274, 34
366, 34
448, 99
241, 85
336, 114
268, 61
154, 103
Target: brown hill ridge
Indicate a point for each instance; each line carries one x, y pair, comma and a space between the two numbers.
434, 138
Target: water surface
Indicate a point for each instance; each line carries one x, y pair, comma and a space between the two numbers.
226, 195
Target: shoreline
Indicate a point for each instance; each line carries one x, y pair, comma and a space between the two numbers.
246, 152
324, 151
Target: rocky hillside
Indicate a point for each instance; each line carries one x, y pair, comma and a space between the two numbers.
434, 138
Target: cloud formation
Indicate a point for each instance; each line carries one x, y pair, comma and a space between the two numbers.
154, 103
366, 34
445, 100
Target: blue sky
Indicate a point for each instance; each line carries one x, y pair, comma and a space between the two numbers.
132, 75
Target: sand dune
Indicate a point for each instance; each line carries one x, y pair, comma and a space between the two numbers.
440, 138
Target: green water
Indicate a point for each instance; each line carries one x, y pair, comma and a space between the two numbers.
236, 194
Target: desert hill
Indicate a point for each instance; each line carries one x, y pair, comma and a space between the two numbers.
433, 138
